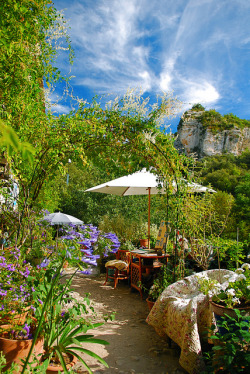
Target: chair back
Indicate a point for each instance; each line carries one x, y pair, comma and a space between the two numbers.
124, 255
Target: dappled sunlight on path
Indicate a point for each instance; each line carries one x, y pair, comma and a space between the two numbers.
134, 346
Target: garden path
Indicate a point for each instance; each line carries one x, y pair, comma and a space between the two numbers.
134, 347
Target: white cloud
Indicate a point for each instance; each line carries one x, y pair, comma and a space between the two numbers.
204, 93
165, 82
60, 109
195, 48
145, 81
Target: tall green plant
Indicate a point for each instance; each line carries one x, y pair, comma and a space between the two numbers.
231, 350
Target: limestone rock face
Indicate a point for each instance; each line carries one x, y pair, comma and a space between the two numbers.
193, 138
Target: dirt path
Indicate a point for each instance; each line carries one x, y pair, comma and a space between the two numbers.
134, 346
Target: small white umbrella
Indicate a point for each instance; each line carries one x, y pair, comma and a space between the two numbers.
139, 183
59, 218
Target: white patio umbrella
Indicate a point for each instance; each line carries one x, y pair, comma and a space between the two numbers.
59, 218
195, 187
139, 183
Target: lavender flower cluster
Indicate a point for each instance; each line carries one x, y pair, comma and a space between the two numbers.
14, 287
92, 241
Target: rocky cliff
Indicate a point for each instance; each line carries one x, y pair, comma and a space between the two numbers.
195, 138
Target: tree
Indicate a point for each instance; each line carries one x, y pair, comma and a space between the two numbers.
125, 134
229, 173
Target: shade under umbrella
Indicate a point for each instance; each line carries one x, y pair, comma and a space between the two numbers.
59, 218
140, 183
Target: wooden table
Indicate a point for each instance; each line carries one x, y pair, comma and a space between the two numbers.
139, 267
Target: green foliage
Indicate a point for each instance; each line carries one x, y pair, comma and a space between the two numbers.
10, 141
230, 174
216, 122
163, 279
242, 201
197, 108
231, 253
231, 351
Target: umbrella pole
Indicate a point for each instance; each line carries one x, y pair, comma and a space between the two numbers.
149, 190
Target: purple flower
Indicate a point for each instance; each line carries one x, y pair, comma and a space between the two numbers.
40, 301
86, 272
27, 329
68, 255
44, 263
89, 261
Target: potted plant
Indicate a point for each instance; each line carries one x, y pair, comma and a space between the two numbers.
63, 327
162, 280
16, 342
235, 294
17, 322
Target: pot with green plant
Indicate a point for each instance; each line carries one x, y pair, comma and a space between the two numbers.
63, 323
17, 323
142, 234
162, 280
236, 295
16, 341
65, 343
233, 294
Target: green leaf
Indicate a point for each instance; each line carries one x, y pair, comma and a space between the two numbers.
90, 353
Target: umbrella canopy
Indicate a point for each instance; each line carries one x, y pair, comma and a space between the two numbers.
195, 187
140, 183
137, 183
59, 218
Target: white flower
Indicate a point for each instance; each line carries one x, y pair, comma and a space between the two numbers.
227, 276
217, 287
239, 271
245, 266
241, 277
230, 292
235, 300
248, 287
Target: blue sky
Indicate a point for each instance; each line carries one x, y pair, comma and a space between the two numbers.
197, 49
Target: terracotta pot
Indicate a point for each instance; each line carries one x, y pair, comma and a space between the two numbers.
221, 310
16, 350
150, 303
53, 369
144, 243
65, 264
